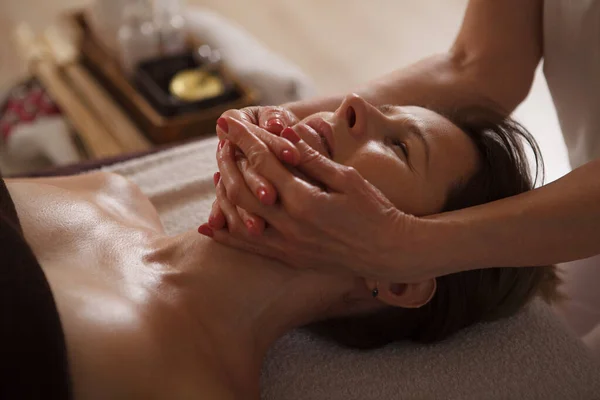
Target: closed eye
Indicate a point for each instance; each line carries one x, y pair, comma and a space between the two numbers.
398, 146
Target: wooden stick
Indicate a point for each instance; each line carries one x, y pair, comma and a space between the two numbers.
95, 138
118, 124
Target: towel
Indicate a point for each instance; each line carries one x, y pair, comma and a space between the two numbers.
276, 79
528, 356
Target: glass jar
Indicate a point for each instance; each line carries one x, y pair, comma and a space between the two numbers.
169, 17
138, 36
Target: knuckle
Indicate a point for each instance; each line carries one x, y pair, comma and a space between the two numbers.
351, 174
288, 116
230, 113
258, 159
272, 112
299, 209
251, 114
310, 156
242, 163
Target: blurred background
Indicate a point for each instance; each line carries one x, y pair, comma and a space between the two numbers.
336, 43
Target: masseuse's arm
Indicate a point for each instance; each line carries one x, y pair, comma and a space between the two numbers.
493, 57
555, 223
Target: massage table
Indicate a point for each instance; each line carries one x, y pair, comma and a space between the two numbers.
531, 355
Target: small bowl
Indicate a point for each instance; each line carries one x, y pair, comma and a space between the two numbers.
153, 78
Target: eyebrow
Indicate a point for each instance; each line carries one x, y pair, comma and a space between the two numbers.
414, 129
386, 108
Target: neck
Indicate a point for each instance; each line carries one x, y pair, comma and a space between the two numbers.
244, 302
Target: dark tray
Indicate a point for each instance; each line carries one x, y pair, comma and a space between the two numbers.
153, 77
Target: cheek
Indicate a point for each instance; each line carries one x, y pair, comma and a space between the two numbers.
406, 190
387, 173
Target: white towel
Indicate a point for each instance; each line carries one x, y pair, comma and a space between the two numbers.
529, 356
277, 80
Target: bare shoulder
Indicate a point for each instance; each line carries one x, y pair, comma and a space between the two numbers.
110, 192
98, 181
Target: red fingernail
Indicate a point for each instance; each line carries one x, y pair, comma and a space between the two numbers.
216, 178
221, 144
287, 156
250, 226
275, 125
222, 123
262, 195
205, 230
291, 135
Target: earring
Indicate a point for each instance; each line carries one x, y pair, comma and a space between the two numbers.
375, 292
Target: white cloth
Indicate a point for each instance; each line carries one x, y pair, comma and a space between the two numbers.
277, 80
528, 356
48, 137
572, 70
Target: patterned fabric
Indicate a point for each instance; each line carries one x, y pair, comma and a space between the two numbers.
25, 103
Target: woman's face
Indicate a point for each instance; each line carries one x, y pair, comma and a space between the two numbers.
414, 156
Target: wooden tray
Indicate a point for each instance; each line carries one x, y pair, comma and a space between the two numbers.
158, 128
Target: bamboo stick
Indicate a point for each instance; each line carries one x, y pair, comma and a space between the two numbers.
97, 141
117, 123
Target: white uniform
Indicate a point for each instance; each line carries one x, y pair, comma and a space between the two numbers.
572, 70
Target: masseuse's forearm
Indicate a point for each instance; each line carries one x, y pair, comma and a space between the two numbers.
437, 81
493, 59
555, 223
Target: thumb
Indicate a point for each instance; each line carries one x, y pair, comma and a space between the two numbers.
320, 168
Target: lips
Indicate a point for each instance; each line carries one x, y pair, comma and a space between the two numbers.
323, 129
313, 138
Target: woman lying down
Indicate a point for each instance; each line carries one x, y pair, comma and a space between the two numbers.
145, 315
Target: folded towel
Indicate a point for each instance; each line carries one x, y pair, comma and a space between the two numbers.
528, 356
277, 80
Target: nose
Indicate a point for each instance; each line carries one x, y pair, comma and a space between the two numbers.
354, 112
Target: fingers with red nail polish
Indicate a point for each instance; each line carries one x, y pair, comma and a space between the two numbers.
263, 195
222, 123
205, 230
216, 220
288, 157
275, 125
265, 192
254, 228
291, 135
216, 178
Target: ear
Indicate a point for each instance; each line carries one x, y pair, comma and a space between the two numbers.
405, 295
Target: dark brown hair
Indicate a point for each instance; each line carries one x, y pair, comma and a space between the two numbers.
464, 298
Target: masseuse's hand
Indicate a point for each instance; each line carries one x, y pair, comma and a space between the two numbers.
350, 226
274, 119
271, 118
